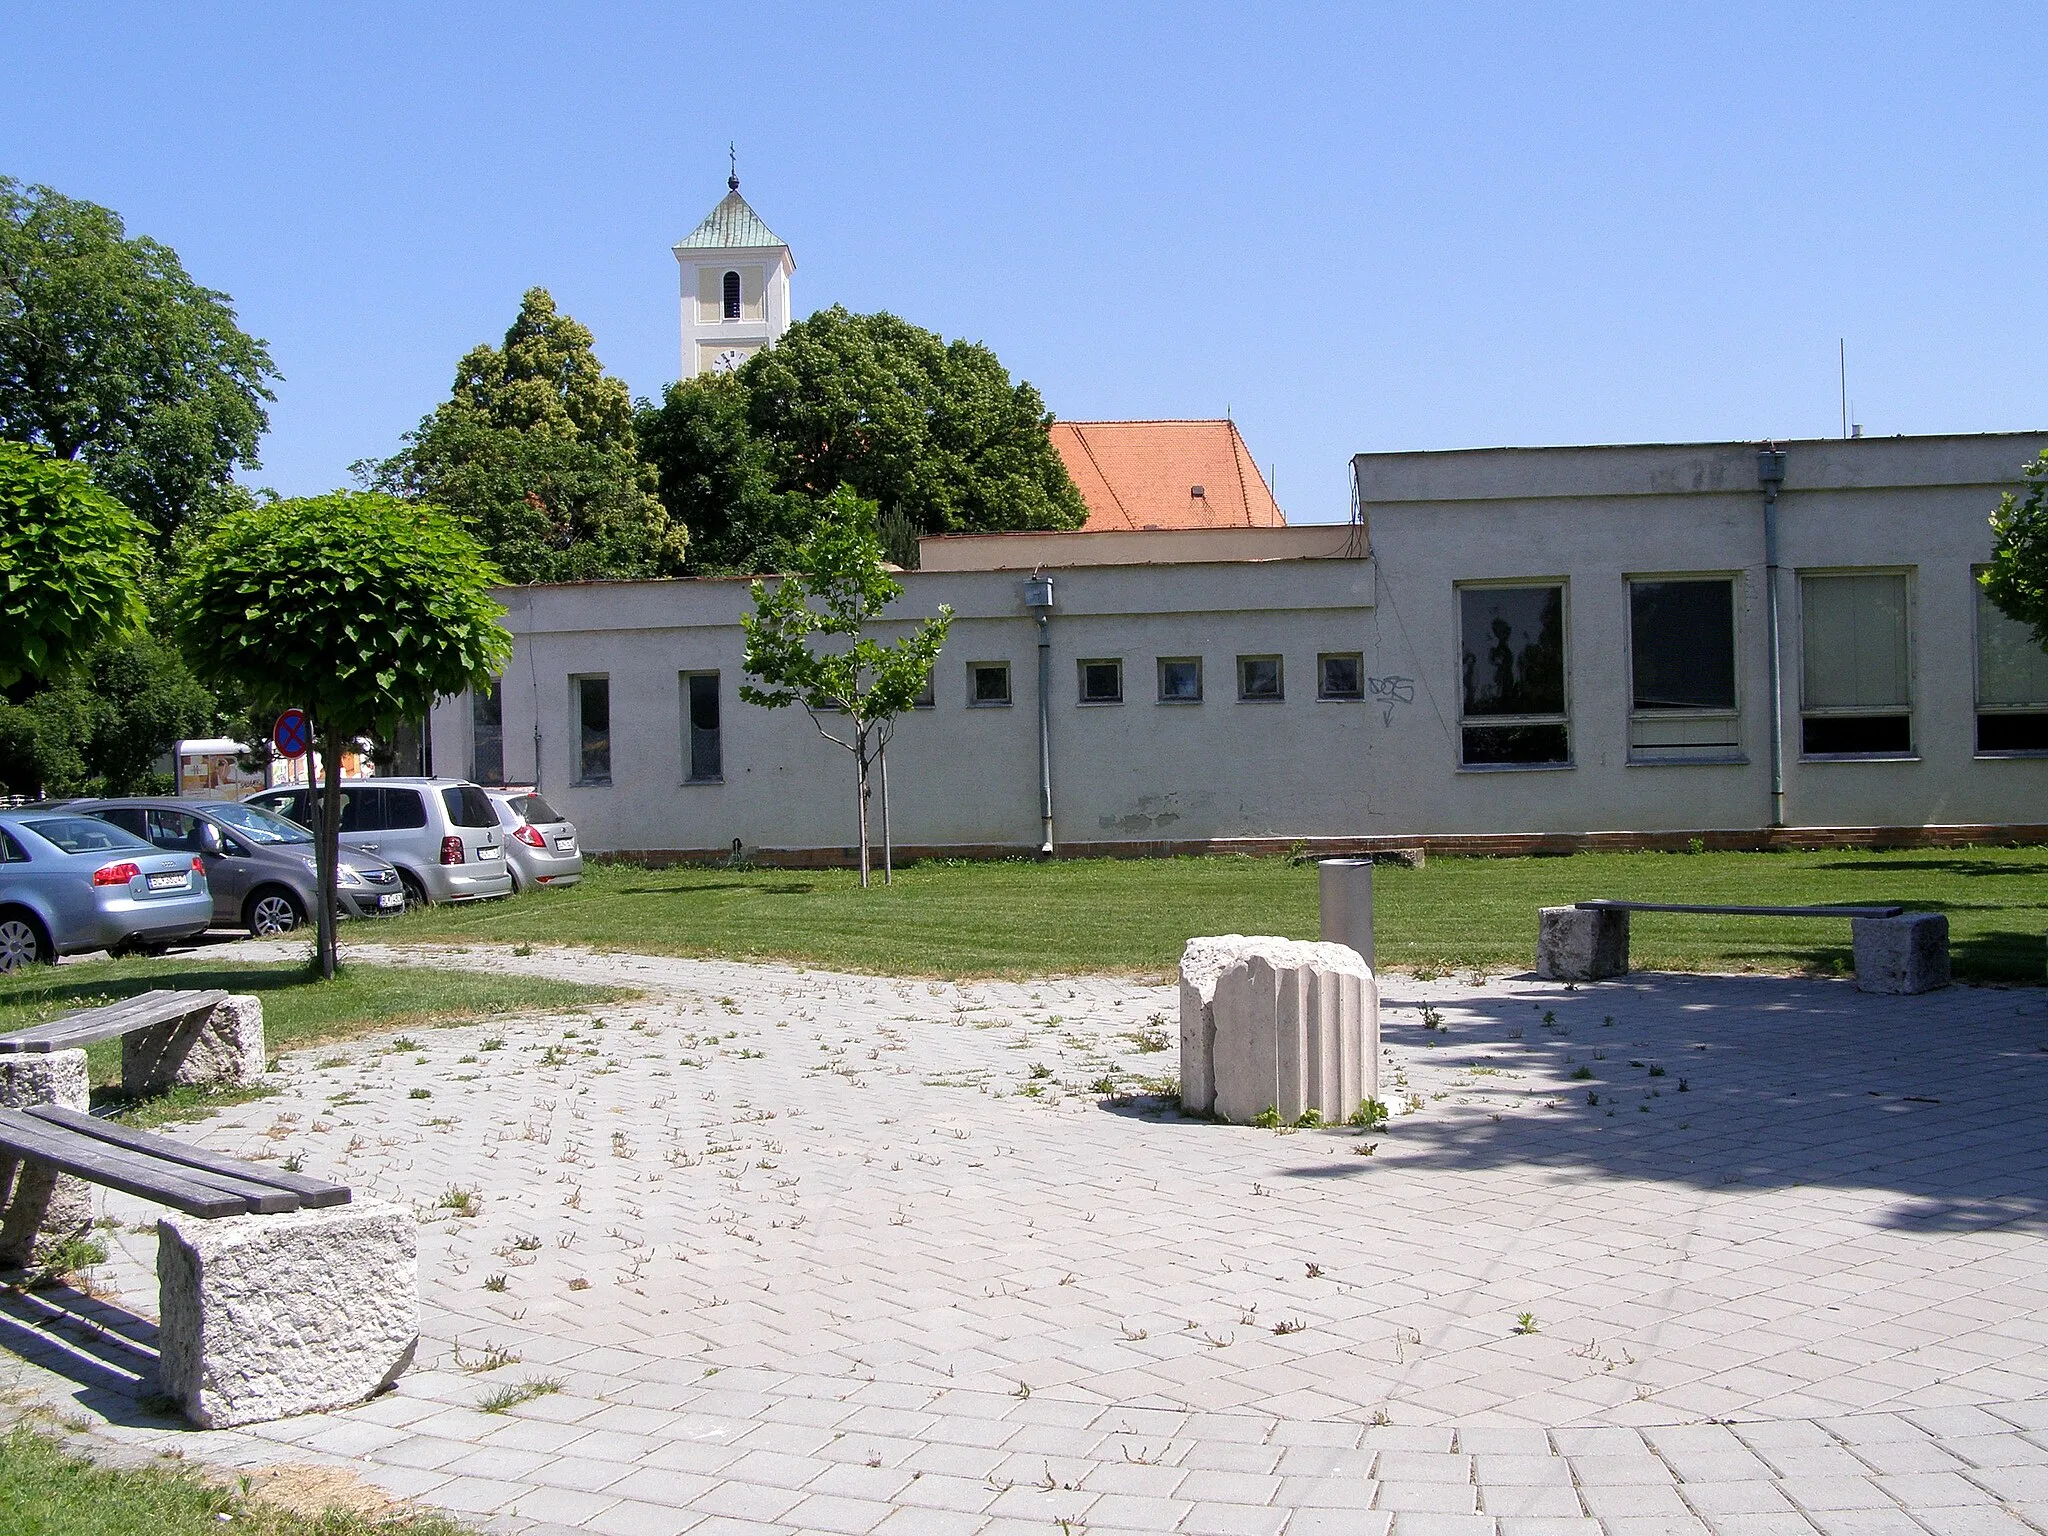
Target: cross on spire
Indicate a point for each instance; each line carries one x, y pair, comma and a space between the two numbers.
732, 155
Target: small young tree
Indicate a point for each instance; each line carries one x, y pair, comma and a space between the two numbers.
856, 679
71, 560
357, 607
2018, 578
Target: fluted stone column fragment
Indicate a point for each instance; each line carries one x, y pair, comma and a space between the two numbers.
1270, 1023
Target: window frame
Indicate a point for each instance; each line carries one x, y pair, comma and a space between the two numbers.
496, 695
1323, 694
1911, 710
684, 691
1161, 663
974, 699
1081, 666
1676, 756
731, 295
1279, 693
1979, 600
1562, 719
578, 777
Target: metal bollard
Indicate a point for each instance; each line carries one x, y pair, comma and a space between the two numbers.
1346, 895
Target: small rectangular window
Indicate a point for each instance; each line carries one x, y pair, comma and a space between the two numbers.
988, 684
2012, 684
1340, 675
1682, 671
1259, 679
1102, 681
703, 744
1512, 677
593, 701
487, 735
1180, 679
927, 696
1856, 695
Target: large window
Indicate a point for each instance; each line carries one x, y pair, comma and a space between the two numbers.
1102, 681
592, 697
1180, 679
1856, 678
703, 744
487, 735
2012, 684
988, 684
1512, 677
1681, 638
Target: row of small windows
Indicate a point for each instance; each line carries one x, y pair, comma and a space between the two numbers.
1855, 682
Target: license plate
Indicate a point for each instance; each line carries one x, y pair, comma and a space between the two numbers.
489, 851
395, 899
566, 844
168, 882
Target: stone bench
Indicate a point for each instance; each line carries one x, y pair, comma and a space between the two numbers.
1270, 1024
168, 1039
1895, 950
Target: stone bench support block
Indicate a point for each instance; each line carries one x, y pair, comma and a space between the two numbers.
42, 1206
1908, 953
1575, 944
268, 1316
1270, 1023
219, 1047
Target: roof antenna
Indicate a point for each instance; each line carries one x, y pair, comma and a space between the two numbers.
732, 155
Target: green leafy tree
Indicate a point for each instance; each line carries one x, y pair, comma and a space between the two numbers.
2017, 579
357, 607
71, 565
933, 432
836, 587
535, 451
102, 729
112, 355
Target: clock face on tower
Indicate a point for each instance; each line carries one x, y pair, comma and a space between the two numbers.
729, 359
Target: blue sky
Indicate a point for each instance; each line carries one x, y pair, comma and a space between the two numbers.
1352, 227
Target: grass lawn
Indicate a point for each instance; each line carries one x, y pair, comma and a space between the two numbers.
297, 1010
45, 1492
1024, 918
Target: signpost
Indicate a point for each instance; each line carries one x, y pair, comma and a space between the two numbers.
293, 733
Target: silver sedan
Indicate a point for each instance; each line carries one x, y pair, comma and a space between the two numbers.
72, 883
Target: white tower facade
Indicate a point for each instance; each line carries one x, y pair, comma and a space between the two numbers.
735, 287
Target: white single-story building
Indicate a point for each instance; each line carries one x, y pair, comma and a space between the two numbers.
1507, 648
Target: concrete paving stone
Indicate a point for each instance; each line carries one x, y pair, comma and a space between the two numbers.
1490, 1468
1754, 1496
904, 1521
1435, 1523
832, 1512
1835, 1493
970, 1495
1890, 1521
1629, 1501
1972, 1520
2013, 1484
1234, 1520
1339, 1522
1203, 1485
562, 1506
1547, 1525
479, 1495
630, 1518
1429, 1498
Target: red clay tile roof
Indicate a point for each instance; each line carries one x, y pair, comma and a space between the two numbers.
1141, 474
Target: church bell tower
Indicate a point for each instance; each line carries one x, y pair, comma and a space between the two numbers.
735, 286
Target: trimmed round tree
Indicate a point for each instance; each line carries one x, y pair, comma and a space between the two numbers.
356, 607
71, 560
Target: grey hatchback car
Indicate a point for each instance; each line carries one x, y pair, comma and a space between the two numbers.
259, 866
540, 842
441, 834
69, 883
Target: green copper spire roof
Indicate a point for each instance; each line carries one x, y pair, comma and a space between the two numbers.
731, 225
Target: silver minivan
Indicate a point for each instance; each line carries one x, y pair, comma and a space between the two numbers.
442, 834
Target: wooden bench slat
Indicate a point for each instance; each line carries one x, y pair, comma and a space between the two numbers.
1668, 906
22, 1136
95, 1024
312, 1193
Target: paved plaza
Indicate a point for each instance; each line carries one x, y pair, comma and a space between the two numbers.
782, 1250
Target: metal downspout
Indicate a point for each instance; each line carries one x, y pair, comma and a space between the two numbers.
1770, 474
1045, 736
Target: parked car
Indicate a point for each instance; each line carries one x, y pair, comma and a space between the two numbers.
70, 883
259, 866
540, 842
441, 834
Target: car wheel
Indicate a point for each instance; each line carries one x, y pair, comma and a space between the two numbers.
518, 883
274, 913
415, 893
21, 943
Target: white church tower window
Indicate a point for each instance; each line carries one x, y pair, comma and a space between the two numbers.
735, 286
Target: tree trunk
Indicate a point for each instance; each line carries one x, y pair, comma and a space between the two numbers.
327, 850
860, 759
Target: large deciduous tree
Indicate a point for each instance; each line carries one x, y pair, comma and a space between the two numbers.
836, 587
360, 608
2017, 579
112, 355
535, 451
933, 432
